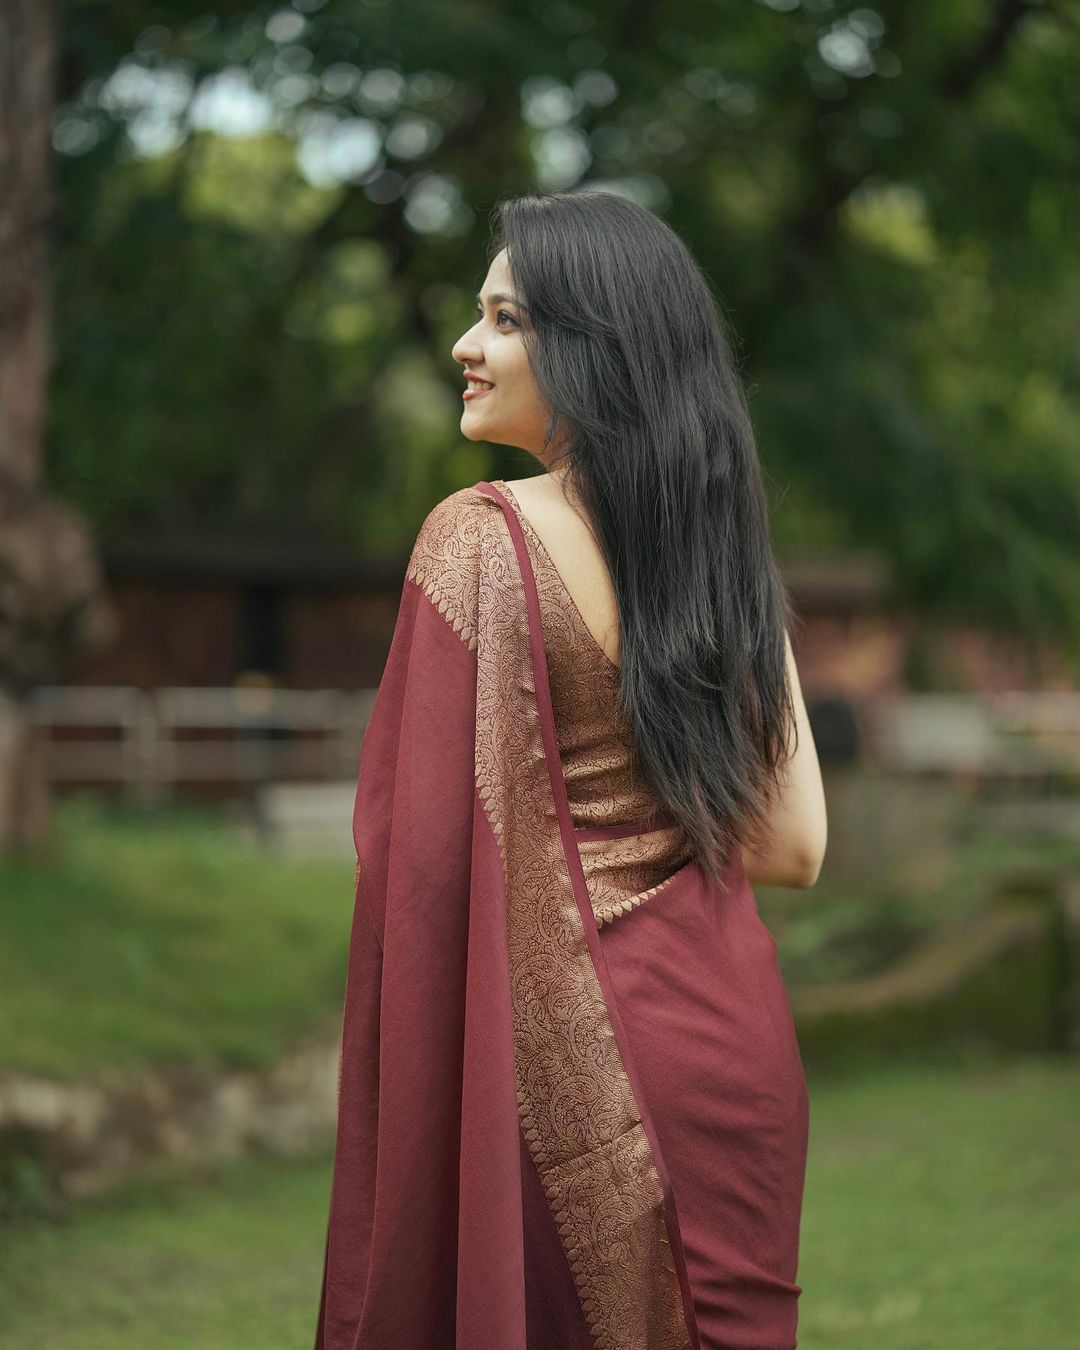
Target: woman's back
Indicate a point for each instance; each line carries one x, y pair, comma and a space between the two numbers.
629, 846
568, 547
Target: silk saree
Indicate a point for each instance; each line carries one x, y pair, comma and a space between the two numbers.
571, 1109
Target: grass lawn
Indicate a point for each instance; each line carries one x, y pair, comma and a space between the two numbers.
941, 1209
150, 940
224, 1262
941, 1214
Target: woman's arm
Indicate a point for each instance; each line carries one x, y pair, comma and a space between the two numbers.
797, 827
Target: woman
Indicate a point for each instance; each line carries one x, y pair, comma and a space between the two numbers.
572, 1111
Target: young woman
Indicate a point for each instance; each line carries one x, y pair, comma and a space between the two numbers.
572, 1109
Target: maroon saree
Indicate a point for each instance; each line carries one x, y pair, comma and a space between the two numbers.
501, 1178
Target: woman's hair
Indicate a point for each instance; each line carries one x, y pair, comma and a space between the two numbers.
630, 353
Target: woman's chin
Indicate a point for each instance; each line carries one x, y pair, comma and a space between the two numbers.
470, 425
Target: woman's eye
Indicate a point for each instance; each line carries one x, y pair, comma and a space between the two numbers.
502, 314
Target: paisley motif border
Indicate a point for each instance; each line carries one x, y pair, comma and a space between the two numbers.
580, 1104
579, 1099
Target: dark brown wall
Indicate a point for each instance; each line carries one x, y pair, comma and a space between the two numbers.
338, 637
193, 635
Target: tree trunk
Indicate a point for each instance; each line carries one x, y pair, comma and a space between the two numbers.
52, 606
27, 76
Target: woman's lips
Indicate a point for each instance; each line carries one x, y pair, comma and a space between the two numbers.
475, 391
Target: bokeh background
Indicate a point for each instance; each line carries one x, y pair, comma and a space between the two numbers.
236, 246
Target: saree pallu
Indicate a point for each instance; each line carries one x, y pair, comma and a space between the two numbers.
514, 1088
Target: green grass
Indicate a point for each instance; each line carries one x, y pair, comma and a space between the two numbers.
154, 940
941, 1209
229, 1260
940, 1214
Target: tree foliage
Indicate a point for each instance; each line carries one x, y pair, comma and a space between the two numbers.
255, 328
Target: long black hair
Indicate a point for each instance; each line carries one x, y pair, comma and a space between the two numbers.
648, 417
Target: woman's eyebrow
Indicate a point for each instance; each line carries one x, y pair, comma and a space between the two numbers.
497, 298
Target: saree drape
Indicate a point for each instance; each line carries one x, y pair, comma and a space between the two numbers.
498, 1180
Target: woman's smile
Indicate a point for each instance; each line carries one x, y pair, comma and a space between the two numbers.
476, 387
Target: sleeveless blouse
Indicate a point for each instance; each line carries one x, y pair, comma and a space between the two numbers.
625, 865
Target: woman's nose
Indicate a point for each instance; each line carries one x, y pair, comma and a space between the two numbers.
466, 348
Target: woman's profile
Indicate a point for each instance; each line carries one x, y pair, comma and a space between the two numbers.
571, 1105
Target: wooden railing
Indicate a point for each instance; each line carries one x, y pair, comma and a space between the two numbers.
152, 743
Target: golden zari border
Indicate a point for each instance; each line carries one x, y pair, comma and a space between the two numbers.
577, 1108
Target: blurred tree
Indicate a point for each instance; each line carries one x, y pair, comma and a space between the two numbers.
273, 221
52, 606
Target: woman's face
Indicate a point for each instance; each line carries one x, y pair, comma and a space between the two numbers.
511, 411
